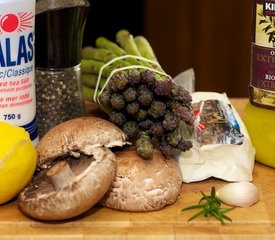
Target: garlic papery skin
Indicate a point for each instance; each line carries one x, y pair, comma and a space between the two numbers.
240, 194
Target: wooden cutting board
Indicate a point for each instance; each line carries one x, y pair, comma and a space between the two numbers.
255, 222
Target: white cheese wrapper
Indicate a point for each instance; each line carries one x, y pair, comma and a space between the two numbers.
230, 162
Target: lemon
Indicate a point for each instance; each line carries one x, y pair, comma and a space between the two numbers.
261, 128
18, 159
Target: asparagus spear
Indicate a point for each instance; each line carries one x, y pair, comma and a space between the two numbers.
88, 93
85, 52
90, 80
162, 84
146, 51
103, 42
126, 41
103, 55
128, 46
144, 146
93, 66
178, 101
117, 82
100, 55
145, 48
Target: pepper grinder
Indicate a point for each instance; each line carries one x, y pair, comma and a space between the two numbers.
59, 27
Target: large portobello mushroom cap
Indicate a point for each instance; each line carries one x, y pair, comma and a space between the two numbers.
76, 169
143, 185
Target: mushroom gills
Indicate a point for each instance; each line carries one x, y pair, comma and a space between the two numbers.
45, 181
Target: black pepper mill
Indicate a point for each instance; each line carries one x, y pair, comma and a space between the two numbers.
59, 27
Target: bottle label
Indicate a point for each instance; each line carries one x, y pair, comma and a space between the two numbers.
17, 73
262, 85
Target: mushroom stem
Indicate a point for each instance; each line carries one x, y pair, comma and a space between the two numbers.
60, 174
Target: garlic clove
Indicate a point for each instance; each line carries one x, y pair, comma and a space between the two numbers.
240, 194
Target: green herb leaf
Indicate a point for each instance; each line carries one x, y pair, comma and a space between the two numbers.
211, 206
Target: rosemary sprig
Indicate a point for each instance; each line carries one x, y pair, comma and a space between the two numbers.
211, 206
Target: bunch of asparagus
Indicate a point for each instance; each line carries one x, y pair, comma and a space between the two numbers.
143, 101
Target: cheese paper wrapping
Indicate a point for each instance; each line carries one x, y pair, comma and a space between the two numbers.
223, 151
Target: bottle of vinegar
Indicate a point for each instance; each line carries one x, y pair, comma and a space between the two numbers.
259, 115
17, 71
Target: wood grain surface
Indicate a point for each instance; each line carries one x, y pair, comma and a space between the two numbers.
255, 222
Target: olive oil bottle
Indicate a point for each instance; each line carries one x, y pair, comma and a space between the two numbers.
259, 115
